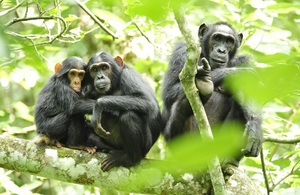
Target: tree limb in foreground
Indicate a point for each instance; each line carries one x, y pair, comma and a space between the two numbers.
82, 168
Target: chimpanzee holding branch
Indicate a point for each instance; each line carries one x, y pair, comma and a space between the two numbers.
60, 108
219, 43
126, 115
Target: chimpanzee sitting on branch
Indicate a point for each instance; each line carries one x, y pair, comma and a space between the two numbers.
60, 108
219, 43
126, 115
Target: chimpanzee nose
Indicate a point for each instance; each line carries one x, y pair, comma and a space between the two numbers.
221, 50
100, 77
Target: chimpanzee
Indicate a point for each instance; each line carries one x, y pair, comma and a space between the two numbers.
60, 108
126, 115
219, 43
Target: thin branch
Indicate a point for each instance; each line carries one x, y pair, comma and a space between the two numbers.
96, 20
36, 50
16, 20
286, 176
11, 9
263, 165
142, 33
294, 140
293, 115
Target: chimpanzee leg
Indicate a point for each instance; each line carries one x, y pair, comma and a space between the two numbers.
78, 134
94, 140
235, 116
179, 114
133, 131
55, 127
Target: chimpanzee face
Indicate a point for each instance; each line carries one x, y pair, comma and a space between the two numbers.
75, 77
71, 72
101, 72
220, 43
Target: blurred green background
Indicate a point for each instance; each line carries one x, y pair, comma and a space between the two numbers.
143, 33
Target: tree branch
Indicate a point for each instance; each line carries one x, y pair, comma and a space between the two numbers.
82, 168
16, 20
11, 9
294, 140
294, 170
263, 165
96, 20
187, 78
68, 165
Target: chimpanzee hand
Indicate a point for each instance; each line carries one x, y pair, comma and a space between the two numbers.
254, 138
96, 122
203, 79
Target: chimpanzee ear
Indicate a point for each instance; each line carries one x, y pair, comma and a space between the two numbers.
202, 30
120, 61
57, 67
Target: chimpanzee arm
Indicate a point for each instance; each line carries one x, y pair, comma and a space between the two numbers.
219, 74
179, 114
124, 103
253, 132
84, 106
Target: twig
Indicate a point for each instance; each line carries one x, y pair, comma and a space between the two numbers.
286, 176
86, 10
16, 20
263, 166
282, 140
11, 9
142, 33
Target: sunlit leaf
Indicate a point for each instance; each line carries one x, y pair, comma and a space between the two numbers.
265, 84
153, 9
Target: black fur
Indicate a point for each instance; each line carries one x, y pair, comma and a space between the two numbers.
128, 111
59, 110
221, 105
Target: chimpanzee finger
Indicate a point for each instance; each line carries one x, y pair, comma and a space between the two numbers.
247, 150
256, 149
101, 131
205, 64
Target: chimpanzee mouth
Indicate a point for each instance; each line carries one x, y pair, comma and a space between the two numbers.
102, 88
76, 88
218, 62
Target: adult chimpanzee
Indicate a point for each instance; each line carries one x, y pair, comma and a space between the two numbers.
60, 108
219, 43
126, 115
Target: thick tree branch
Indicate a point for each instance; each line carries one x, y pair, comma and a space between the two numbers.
69, 165
80, 167
187, 78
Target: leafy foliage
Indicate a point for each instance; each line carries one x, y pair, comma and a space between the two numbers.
35, 35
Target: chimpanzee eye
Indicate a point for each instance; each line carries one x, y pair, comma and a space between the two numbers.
229, 41
94, 69
72, 73
81, 74
217, 37
104, 67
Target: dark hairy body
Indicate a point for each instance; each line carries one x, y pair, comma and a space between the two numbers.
219, 43
60, 108
126, 115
